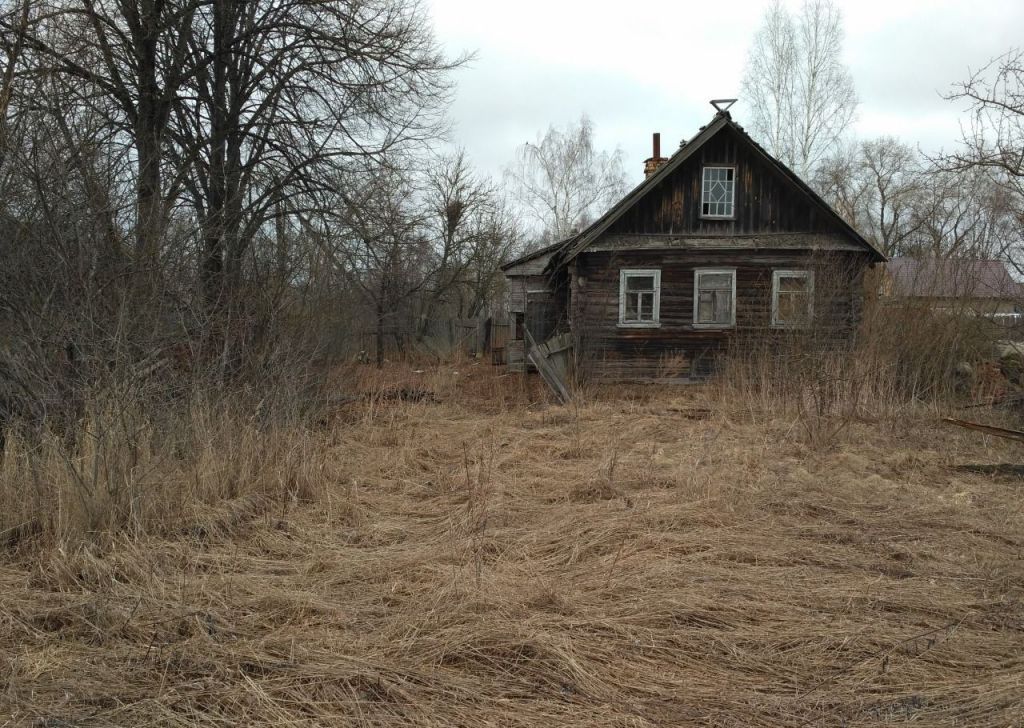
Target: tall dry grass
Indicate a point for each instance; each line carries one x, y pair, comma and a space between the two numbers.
903, 361
132, 463
141, 460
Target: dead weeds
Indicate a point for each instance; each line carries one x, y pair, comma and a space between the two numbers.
488, 559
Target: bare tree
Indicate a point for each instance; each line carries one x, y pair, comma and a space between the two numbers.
473, 232
963, 214
381, 246
563, 182
800, 95
876, 186
283, 93
132, 54
993, 141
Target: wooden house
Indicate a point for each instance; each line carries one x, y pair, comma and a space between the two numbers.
719, 240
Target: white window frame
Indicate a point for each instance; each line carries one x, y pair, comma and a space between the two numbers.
626, 273
697, 273
703, 190
777, 276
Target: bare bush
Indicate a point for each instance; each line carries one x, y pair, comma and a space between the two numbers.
903, 355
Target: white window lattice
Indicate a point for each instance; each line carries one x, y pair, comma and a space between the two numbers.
719, 191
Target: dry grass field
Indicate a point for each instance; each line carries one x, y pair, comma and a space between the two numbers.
651, 557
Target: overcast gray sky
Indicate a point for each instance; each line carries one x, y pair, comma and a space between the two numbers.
652, 65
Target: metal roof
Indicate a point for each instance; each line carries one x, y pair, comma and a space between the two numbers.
952, 278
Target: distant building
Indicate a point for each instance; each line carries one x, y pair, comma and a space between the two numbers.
981, 287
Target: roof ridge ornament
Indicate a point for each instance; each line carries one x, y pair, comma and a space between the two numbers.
722, 105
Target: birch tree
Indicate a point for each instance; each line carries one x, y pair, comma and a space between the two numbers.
800, 95
563, 182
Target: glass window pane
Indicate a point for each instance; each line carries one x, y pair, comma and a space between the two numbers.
631, 307
792, 308
715, 281
723, 308
639, 296
704, 307
786, 308
793, 283
718, 192
640, 283
714, 298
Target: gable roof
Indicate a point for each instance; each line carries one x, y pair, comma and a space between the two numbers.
576, 245
938, 278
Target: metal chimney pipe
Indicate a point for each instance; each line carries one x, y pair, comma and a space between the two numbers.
651, 165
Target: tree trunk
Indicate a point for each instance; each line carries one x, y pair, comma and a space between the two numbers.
149, 125
380, 333
149, 203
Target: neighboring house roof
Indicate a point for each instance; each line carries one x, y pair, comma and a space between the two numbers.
951, 278
547, 249
575, 245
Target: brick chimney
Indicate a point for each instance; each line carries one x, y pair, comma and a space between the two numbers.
651, 165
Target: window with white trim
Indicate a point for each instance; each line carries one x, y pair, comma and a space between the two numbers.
639, 297
718, 192
792, 298
714, 297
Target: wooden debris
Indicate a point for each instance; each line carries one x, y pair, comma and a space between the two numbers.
692, 413
987, 429
552, 361
405, 394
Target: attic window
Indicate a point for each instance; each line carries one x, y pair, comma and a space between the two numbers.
718, 192
792, 298
639, 297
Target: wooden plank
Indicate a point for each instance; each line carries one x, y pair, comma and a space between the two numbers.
552, 374
745, 241
987, 429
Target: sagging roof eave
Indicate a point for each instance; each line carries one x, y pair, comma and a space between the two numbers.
547, 249
721, 120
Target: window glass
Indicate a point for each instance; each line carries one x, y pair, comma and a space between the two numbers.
714, 298
718, 192
792, 298
639, 292
639, 283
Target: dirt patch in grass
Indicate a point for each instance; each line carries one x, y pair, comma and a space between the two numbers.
486, 558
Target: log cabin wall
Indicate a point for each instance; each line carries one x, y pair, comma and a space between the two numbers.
765, 201
677, 348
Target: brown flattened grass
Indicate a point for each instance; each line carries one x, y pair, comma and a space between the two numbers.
459, 569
